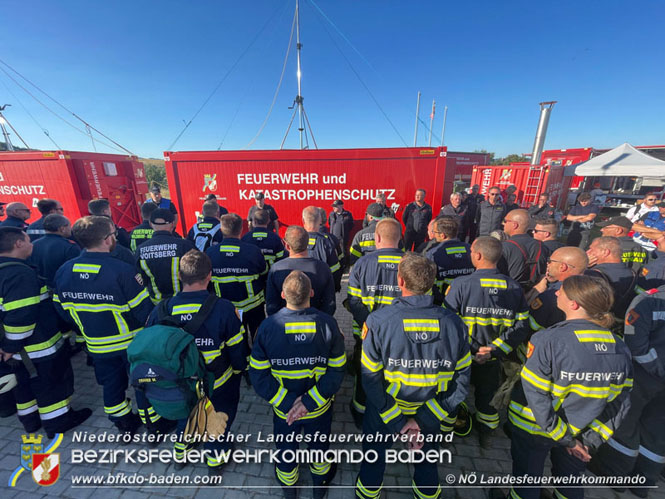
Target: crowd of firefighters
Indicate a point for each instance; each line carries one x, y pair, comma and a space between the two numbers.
568, 338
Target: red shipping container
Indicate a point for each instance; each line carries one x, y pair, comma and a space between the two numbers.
462, 163
74, 178
294, 179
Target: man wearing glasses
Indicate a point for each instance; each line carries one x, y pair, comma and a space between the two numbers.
633, 254
650, 228
46, 207
17, 214
545, 231
490, 213
582, 217
640, 210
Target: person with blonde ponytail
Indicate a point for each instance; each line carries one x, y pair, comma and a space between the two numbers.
573, 390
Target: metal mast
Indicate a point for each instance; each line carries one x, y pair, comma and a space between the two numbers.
299, 99
8, 142
415, 134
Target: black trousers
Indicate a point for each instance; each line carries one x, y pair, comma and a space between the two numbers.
413, 239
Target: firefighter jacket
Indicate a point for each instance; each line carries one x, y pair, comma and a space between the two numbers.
268, 242
124, 255
373, 284
543, 312
298, 353
341, 225
13, 222
140, 233
158, 260
524, 259
49, 253
26, 312
652, 275
489, 217
416, 218
633, 255
238, 273
644, 331
575, 384
553, 245
363, 242
105, 298
221, 339
493, 307
622, 280
319, 274
452, 259
206, 233
322, 248
36, 229
122, 237
415, 362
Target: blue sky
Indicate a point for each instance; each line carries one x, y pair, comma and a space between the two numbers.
136, 70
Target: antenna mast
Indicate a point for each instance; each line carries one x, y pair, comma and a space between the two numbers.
8, 142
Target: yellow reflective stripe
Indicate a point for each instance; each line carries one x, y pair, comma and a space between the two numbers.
534, 325
300, 327
522, 411
136, 301
391, 414
259, 364
260, 234
421, 495
370, 364
418, 379
310, 415
235, 278
91, 307
44, 344
601, 429
521, 316
592, 336
436, 408
316, 396
19, 329
278, 397
86, 267
505, 347
455, 249
315, 372
54, 407
287, 478
229, 248
151, 278
488, 321
190, 308
223, 378
367, 244
535, 380
175, 266
234, 340
355, 292
337, 361
319, 468
210, 355
493, 283
335, 267
26, 405
463, 362
120, 409
421, 325
599, 392
389, 258
16, 304
355, 252
370, 493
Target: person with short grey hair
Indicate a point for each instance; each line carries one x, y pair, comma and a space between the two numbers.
459, 212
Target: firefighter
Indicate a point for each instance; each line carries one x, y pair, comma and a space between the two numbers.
564, 262
108, 302
2, 208
143, 231
545, 230
574, 388
260, 204
493, 307
17, 214
542, 210
296, 240
162, 202
582, 217
637, 447
490, 213
268, 242
431, 239
633, 255
341, 226
297, 365
46, 207
451, 256
323, 229
605, 261
157, 259
239, 273
363, 241
652, 275
459, 211
221, 339
524, 258
102, 208
222, 209
386, 211
403, 396
208, 231
372, 285
32, 344
320, 247
54, 248
417, 215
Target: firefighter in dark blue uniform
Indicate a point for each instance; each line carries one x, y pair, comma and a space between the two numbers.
633, 255
221, 340
574, 388
268, 242
143, 231
495, 311
451, 256
33, 343
108, 302
46, 207
652, 275
363, 241
17, 214
54, 248
415, 369
320, 247
158, 258
102, 208
297, 365
239, 273
208, 231
638, 445
372, 285
162, 202
296, 240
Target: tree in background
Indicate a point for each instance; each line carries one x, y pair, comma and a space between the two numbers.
511, 158
155, 174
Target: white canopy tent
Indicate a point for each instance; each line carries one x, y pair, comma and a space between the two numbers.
622, 161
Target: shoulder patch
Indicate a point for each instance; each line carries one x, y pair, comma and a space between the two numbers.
537, 303
364, 331
652, 291
529, 350
139, 279
632, 316
645, 271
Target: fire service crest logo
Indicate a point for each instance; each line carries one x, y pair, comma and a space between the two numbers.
210, 182
46, 468
43, 464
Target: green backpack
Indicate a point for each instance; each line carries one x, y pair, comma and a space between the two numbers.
166, 365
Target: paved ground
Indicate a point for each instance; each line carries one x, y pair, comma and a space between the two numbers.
246, 480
